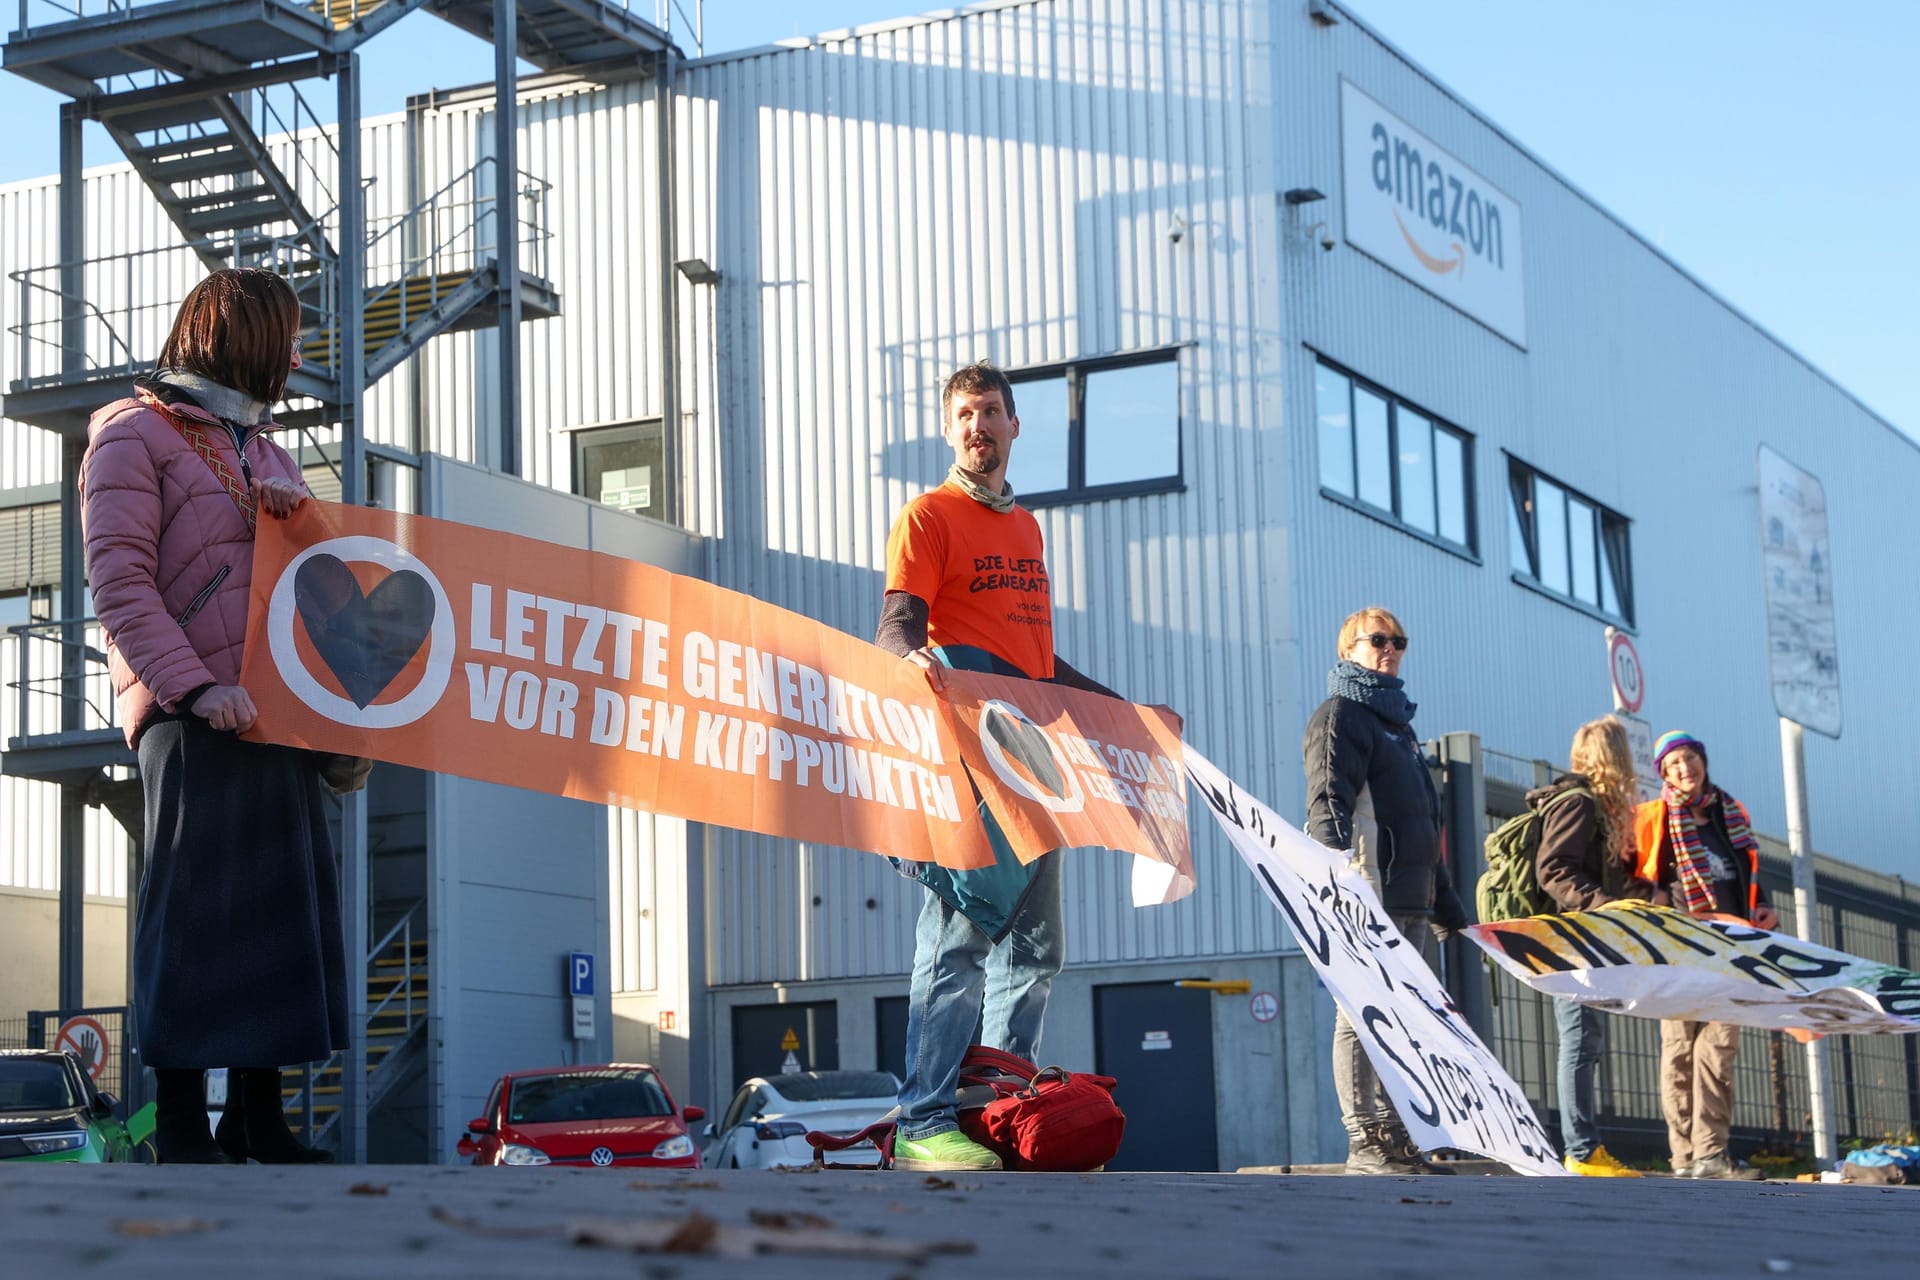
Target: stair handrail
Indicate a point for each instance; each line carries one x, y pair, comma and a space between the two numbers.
79, 9
319, 175
79, 635
33, 283
403, 929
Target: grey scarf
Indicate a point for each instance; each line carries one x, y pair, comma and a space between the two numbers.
223, 402
971, 486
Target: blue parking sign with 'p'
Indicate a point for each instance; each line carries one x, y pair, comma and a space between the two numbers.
580, 973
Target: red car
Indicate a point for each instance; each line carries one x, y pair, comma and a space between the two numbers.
616, 1114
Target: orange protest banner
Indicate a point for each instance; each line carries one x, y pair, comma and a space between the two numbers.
1063, 768
506, 659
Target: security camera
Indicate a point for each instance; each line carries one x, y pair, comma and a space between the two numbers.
1177, 229
1326, 241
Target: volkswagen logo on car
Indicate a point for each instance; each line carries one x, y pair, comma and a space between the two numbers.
602, 1156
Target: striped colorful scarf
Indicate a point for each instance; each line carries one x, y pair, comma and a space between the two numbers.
1691, 863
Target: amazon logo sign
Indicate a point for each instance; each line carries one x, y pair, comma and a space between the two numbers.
1421, 213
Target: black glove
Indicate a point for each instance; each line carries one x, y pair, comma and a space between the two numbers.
1449, 916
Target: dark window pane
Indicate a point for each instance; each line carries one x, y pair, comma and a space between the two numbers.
1616, 590
1413, 439
1038, 463
1370, 425
1450, 474
1550, 525
1333, 396
1132, 418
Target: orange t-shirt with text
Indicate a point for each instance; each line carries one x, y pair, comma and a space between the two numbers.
982, 573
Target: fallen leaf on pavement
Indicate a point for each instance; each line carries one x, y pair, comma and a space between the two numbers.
698, 1233
776, 1220
157, 1228
367, 1189
476, 1228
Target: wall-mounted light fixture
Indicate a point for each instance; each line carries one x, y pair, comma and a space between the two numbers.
1302, 195
696, 271
1321, 11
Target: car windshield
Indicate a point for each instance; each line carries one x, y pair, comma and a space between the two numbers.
35, 1084
833, 1086
588, 1095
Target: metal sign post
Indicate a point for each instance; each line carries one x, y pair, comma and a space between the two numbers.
1804, 662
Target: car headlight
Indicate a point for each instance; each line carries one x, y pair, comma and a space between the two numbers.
512, 1153
45, 1144
674, 1148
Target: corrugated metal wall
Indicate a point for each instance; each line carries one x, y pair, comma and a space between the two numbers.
1647, 393
887, 206
884, 206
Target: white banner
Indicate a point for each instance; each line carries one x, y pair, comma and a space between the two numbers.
1655, 962
1447, 1086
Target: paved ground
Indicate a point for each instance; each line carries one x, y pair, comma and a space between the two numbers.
67, 1220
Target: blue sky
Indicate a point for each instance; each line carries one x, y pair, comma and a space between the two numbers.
1762, 144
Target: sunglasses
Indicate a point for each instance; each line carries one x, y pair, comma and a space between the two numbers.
1381, 640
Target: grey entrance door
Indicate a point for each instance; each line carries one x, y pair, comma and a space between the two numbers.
769, 1039
1156, 1039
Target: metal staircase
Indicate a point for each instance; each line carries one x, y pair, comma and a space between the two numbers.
395, 1032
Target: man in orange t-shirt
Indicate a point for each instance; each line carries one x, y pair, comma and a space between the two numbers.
967, 588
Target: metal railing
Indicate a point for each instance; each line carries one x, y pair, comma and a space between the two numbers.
51, 670
53, 12
397, 943
427, 252
121, 327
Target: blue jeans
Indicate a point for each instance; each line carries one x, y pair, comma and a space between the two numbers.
1582, 1041
963, 980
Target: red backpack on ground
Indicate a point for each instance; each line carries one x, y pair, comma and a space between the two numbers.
1048, 1121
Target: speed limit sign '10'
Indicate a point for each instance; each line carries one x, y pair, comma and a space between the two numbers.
1623, 664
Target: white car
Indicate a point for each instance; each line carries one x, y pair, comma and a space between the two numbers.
766, 1124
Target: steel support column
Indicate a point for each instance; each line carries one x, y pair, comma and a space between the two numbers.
669, 286
351, 364
73, 358
506, 187
1464, 814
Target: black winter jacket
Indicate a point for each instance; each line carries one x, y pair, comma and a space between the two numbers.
1573, 865
1368, 790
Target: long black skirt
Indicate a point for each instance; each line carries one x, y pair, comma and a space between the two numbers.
238, 954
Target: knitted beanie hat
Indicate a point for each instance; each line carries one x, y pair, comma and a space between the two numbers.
1673, 741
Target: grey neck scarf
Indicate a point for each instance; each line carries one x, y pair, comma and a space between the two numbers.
221, 401
970, 485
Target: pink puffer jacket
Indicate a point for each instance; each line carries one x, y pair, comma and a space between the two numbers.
169, 554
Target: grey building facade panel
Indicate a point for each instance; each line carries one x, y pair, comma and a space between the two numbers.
1643, 391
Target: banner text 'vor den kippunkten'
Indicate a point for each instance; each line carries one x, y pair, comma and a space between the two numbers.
507, 659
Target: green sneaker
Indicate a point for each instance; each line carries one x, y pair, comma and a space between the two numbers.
943, 1153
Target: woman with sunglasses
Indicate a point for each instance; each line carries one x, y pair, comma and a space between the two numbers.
1370, 796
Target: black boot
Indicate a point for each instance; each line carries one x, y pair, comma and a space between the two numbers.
255, 1124
180, 1123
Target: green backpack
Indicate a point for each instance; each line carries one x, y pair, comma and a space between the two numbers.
1509, 889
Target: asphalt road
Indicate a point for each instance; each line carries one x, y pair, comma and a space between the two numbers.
184, 1221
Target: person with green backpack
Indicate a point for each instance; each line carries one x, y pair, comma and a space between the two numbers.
1583, 863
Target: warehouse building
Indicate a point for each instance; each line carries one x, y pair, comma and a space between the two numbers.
1293, 329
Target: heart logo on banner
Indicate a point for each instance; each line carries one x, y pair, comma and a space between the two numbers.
365, 638
1025, 745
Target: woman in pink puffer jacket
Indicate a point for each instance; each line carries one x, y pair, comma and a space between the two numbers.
238, 952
